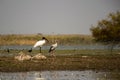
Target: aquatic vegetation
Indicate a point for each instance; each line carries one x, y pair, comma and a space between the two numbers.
22, 56
38, 56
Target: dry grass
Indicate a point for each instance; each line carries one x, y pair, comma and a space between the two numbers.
73, 39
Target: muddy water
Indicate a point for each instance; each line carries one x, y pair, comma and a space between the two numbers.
61, 75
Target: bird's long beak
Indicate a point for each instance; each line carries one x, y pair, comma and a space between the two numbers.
46, 40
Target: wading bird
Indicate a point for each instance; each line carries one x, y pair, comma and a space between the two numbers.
39, 43
52, 48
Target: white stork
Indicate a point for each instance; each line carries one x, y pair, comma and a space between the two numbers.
39, 43
53, 47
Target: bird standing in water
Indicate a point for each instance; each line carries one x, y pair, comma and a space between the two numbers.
39, 43
52, 48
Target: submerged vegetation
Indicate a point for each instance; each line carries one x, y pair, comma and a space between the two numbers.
30, 39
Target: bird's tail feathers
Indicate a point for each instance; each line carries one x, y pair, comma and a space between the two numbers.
50, 49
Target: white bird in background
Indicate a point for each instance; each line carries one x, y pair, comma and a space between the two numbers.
53, 47
39, 43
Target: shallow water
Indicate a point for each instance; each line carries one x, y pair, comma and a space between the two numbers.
60, 47
61, 75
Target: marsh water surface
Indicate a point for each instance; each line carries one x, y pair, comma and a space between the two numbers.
60, 47
61, 75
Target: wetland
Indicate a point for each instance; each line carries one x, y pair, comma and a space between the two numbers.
78, 57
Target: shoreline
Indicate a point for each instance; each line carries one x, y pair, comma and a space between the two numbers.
72, 60
61, 63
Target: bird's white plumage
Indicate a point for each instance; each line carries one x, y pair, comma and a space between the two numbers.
39, 43
54, 45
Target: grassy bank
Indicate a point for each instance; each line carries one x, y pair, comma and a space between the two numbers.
64, 60
73, 39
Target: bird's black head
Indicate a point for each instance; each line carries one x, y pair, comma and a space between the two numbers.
43, 38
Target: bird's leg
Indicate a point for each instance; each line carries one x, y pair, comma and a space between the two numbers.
40, 50
54, 53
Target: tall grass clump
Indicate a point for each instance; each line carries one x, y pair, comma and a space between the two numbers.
71, 39
30, 39
15, 39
